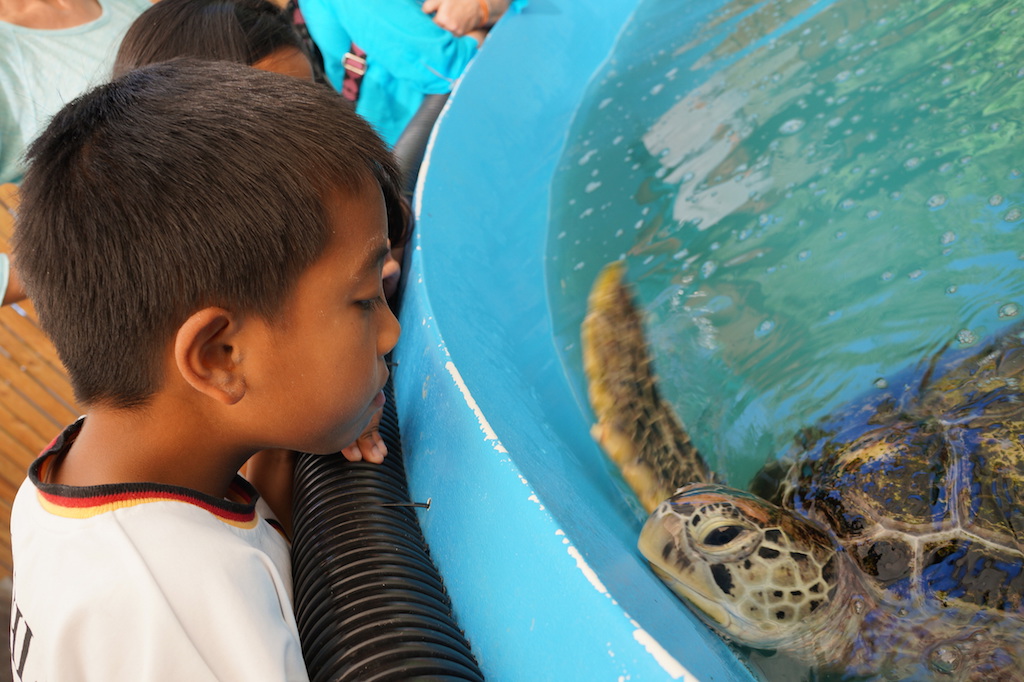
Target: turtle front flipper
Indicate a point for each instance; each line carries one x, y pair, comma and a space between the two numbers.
637, 429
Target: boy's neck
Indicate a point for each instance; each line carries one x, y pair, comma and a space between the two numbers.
125, 446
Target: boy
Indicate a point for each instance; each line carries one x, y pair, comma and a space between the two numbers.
204, 243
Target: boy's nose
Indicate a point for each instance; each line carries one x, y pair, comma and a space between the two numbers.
390, 330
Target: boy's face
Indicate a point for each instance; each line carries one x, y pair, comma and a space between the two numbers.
321, 363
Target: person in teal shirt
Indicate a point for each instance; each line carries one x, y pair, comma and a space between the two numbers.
412, 49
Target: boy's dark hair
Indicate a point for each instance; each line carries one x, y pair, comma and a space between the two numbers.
173, 188
242, 31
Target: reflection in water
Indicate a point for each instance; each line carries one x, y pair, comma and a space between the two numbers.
810, 196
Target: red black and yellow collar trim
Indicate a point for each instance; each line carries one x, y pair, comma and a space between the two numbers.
81, 502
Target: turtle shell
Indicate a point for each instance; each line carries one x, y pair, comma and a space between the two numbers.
925, 487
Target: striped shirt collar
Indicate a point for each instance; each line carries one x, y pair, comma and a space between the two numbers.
238, 509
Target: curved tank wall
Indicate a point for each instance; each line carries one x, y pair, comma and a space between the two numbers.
531, 533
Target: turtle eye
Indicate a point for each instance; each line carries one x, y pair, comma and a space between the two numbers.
725, 536
719, 537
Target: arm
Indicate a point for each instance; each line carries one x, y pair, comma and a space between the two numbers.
460, 17
272, 473
13, 292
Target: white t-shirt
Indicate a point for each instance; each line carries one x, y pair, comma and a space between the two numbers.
148, 582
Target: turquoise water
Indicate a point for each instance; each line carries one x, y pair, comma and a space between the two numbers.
809, 196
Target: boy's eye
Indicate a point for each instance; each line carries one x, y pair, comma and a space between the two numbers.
371, 304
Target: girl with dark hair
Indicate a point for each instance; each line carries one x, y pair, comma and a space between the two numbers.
252, 32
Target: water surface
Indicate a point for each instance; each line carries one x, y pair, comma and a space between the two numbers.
810, 197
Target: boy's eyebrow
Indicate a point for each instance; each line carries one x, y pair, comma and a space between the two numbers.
375, 258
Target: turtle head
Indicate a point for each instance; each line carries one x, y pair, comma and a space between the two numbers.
757, 573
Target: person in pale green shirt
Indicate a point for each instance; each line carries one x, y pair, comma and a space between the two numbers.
51, 52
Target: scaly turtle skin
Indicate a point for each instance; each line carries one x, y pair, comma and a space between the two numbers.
888, 542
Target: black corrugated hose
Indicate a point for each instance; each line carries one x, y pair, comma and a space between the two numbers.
369, 602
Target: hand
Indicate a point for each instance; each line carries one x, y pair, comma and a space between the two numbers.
478, 34
370, 446
272, 472
457, 16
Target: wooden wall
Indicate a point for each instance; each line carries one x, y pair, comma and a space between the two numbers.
36, 401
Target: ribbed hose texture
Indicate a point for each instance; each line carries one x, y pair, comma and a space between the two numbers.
369, 602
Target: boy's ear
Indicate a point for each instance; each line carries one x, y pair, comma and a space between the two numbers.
206, 357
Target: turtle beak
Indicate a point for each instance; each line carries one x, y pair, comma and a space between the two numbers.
711, 610
660, 541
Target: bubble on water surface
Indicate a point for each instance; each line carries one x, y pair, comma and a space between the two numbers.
937, 201
764, 329
966, 337
793, 125
945, 659
880, 382
1009, 310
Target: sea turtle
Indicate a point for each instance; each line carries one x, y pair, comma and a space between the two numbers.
888, 542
